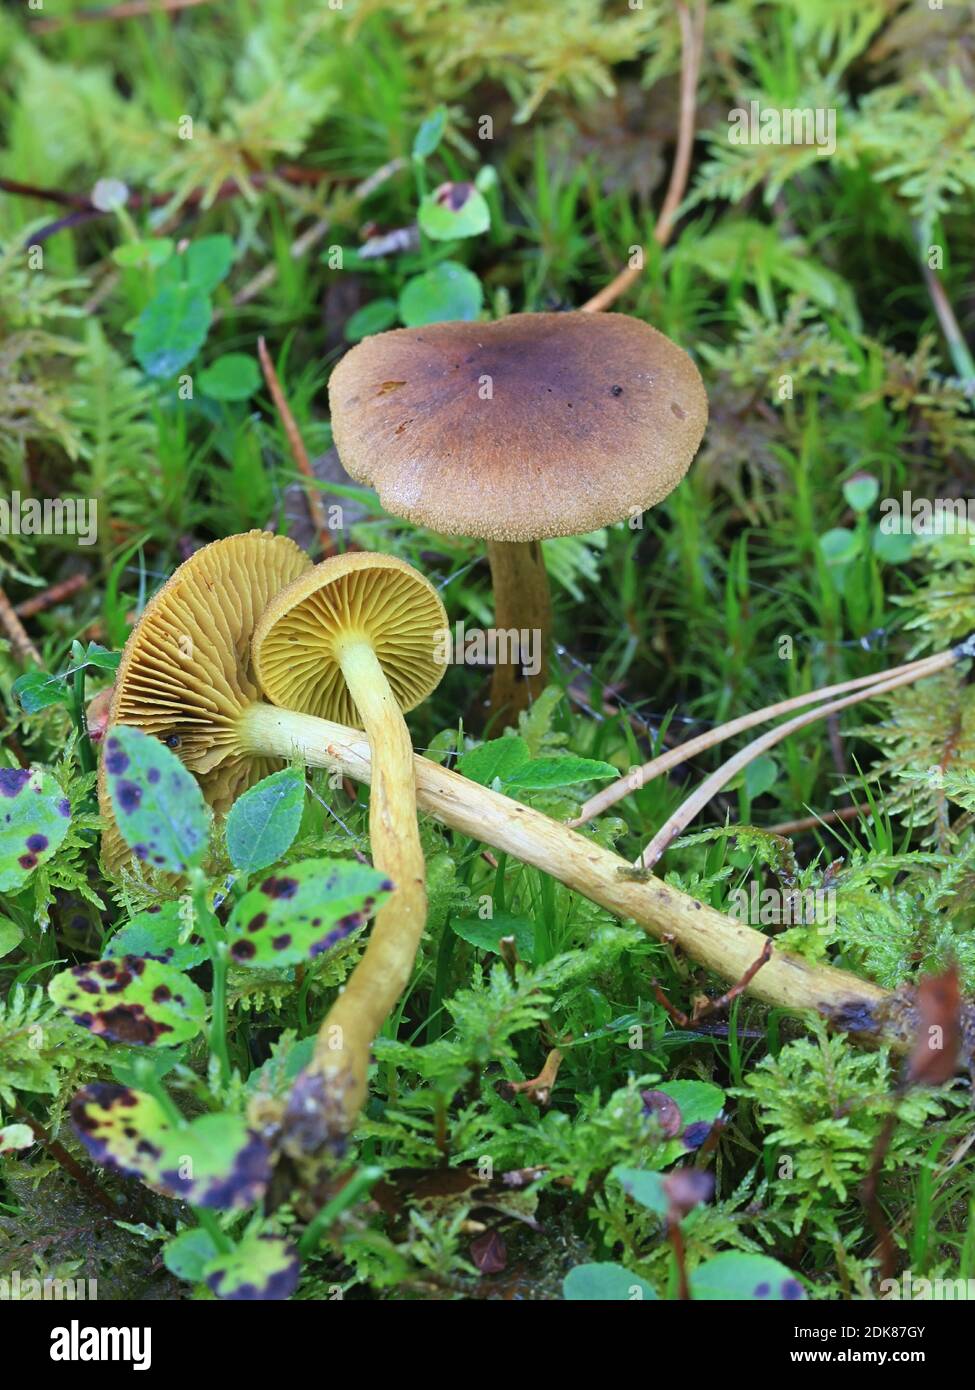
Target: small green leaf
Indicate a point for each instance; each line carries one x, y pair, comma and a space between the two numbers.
171, 330
155, 934
430, 133
543, 773
212, 1161
893, 547
861, 491
153, 252
263, 823
158, 805
259, 1267
374, 317
500, 757
295, 915
16, 1137
447, 292
101, 658
735, 1275
760, 776
188, 1254
10, 936
839, 546
452, 211
202, 266
232, 377
700, 1103
487, 933
131, 999
34, 819
644, 1187
605, 1283
37, 690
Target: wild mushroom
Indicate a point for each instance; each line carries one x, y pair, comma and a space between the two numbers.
185, 674
535, 426
356, 640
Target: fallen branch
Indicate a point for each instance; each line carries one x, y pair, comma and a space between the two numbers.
24, 648
720, 943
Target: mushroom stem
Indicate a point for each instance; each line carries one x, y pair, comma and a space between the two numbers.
722, 944
371, 992
522, 604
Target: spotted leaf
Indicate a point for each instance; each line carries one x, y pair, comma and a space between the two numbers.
212, 1161
158, 805
296, 915
264, 821
131, 1000
155, 934
737, 1275
34, 819
259, 1267
698, 1105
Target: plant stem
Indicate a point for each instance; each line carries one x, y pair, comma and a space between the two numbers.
346, 1036
85, 754
522, 602
217, 950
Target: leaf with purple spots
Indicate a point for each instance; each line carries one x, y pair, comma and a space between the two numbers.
34, 819
258, 1268
131, 1000
158, 805
699, 1104
212, 1161
155, 934
263, 823
295, 915
734, 1275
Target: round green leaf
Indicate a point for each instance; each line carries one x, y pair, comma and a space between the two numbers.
232, 377
374, 317
188, 1254
605, 1283
452, 211
171, 330
448, 291
155, 934
487, 934
34, 819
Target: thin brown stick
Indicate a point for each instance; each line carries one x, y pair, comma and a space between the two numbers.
692, 41
24, 648
127, 9
59, 1153
682, 752
57, 593
696, 802
298, 451
797, 827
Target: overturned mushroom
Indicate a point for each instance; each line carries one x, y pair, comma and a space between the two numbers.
355, 640
535, 426
185, 674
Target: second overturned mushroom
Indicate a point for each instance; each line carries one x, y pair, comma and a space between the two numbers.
356, 640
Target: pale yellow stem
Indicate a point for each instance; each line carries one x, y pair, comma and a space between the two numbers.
370, 994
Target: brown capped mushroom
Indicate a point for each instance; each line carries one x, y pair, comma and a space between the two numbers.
355, 640
535, 426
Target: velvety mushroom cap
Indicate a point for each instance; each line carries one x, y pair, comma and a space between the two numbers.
376, 598
185, 674
536, 425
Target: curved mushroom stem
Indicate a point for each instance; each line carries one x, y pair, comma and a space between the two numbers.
720, 943
522, 607
346, 1036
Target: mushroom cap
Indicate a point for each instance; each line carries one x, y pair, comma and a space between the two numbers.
379, 598
536, 425
185, 671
